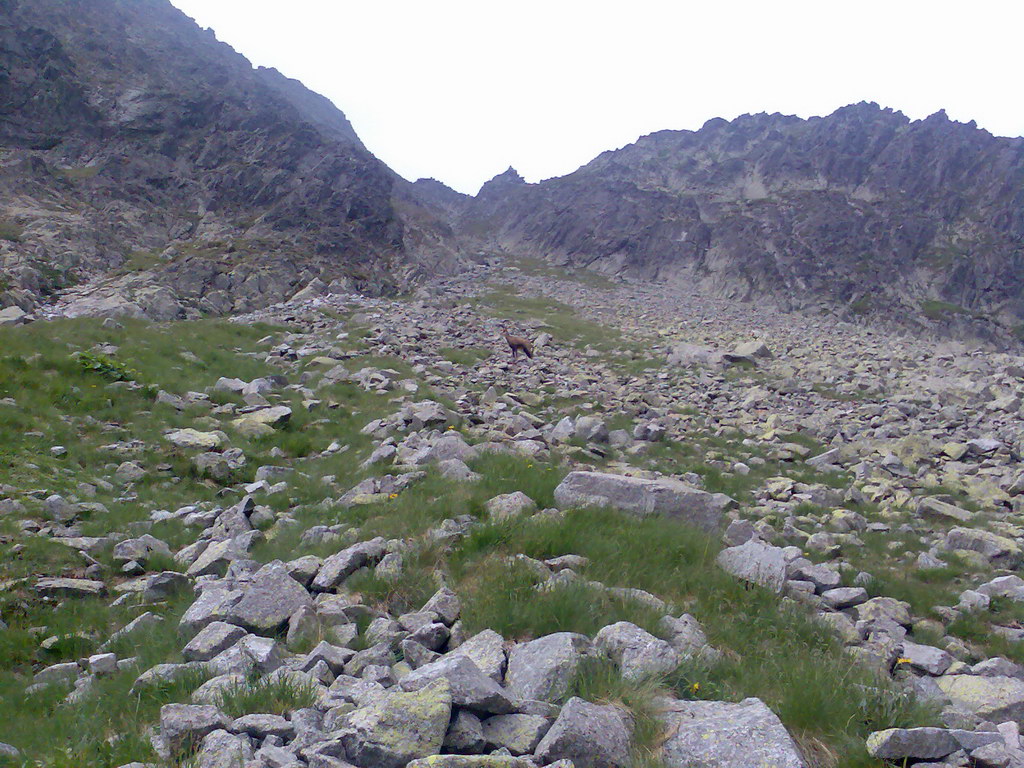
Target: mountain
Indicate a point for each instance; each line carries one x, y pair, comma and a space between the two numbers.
134, 146
863, 211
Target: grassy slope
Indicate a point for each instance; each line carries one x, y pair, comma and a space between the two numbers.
771, 652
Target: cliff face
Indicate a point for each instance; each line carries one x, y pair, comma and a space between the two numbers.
862, 211
133, 143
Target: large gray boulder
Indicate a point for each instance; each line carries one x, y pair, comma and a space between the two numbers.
719, 734
221, 749
470, 688
638, 653
400, 727
519, 734
1000, 550
643, 497
541, 669
591, 735
924, 743
756, 562
991, 698
340, 566
487, 650
185, 725
268, 601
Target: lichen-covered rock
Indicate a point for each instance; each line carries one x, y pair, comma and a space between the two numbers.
991, 698
184, 725
591, 735
542, 668
756, 562
470, 688
719, 734
269, 600
400, 727
642, 497
638, 653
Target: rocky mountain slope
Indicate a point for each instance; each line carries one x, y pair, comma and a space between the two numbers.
133, 145
348, 531
863, 211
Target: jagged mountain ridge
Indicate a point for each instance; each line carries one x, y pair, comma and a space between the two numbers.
134, 142
863, 210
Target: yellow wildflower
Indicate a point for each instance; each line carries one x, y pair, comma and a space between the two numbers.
393, 496
902, 661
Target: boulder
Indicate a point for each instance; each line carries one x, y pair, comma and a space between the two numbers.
644, 497
470, 688
719, 734
185, 725
638, 653
191, 438
269, 600
756, 562
591, 735
542, 668
400, 727
519, 734
991, 698
340, 566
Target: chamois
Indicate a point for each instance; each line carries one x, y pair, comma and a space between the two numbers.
517, 344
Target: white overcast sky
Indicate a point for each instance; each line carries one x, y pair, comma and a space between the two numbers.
461, 89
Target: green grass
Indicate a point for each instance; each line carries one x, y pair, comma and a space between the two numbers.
11, 231
139, 261
560, 320
271, 695
943, 310
772, 652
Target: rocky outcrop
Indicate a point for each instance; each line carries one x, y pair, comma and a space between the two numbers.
863, 211
139, 149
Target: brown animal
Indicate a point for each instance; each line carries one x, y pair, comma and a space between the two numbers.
517, 344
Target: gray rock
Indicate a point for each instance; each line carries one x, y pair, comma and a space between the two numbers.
185, 725
340, 566
643, 497
445, 604
221, 749
465, 734
756, 562
542, 668
926, 658
269, 600
844, 597
211, 640
402, 726
510, 505
470, 688
591, 735
1000, 550
487, 650
519, 734
718, 734
638, 653
916, 743
262, 726
991, 698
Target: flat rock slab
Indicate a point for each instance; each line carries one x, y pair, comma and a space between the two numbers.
643, 497
60, 587
719, 734
992, 698
925, 743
